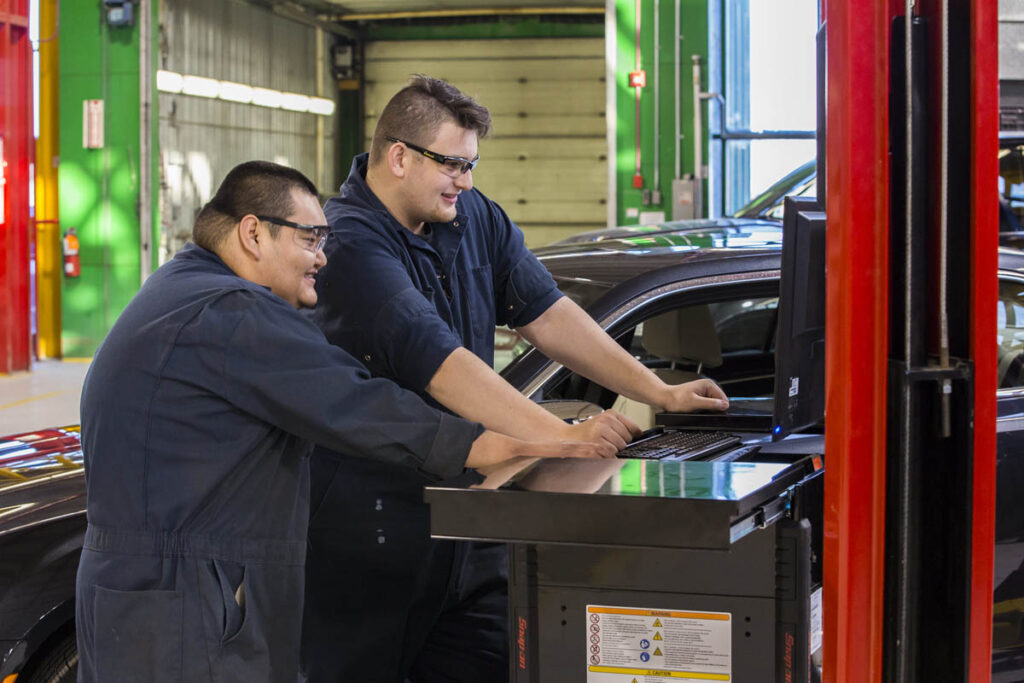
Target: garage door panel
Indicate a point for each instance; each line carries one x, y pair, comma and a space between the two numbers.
546, 162
537, 125
539, 235
394, 75
554, 211
418, 50
578, 177
510, 97
546, 206
528, 150
592, 149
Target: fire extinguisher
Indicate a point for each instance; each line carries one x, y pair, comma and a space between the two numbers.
72, 265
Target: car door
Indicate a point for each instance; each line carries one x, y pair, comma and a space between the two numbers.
1008, 598
736, 315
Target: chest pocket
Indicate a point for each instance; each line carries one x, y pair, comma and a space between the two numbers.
478, 288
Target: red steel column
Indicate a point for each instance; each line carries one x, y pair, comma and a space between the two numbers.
984, 293
18, 150
857, 175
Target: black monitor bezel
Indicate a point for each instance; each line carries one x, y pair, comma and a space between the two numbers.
800, 353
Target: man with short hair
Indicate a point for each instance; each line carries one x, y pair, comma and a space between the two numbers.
422, 267
198, 414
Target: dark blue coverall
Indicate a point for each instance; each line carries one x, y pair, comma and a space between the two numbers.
198, 415
401, 303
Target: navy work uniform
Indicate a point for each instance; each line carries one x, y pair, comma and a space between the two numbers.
402, 303
198, 415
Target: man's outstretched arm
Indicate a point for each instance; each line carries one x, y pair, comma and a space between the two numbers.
468, 387
565, 333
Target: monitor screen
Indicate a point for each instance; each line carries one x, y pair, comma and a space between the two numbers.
800, 335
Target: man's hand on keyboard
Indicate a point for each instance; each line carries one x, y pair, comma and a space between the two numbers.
701, 394
608, 427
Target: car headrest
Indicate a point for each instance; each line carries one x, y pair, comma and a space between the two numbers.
684, 335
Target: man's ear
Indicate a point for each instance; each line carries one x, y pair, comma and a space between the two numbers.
398, 160
250, 235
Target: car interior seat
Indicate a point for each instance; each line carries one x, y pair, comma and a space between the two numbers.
685, 337
1010, 371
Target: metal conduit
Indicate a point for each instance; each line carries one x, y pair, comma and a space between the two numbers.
904, 655
947, 385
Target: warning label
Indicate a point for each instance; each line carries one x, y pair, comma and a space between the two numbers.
816, 627
637, 645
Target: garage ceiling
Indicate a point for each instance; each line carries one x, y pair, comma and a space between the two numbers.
368, 6
350, 10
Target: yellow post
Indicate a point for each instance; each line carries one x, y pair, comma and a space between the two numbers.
49, 260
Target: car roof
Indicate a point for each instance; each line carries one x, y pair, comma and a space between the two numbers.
746, 246
610, 262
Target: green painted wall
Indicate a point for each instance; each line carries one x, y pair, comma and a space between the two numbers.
99, 188
694, 32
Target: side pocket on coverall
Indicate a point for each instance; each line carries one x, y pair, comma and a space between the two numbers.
138, 635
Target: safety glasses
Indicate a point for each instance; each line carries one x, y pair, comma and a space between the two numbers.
451, 166
309, 237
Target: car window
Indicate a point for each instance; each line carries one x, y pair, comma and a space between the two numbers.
807, 188
1011, 185
508, 345
1010, 324
731, 340
742, 326
746, 325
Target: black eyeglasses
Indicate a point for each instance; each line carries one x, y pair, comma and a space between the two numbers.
311, 238
453, 166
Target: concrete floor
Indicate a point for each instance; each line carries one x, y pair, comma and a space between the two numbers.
46, 396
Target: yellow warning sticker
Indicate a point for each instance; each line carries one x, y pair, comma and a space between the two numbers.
689, 645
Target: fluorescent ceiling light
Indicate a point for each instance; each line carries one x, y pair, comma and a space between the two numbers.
294, 102
266, 98
168, 81
200, 87
235, 92
321, 106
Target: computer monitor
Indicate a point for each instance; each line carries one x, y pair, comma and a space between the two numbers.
800, 334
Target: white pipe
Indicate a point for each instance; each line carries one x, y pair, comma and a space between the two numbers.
678, 168
611, 118
319, 119
657, 100
145, 138
698, 143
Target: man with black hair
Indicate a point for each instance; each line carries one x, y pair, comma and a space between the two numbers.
422, 267
198, 414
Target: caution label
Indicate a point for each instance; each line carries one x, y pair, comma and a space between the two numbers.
816, 621
639, 645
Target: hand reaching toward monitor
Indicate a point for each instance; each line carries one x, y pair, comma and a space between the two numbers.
701, 394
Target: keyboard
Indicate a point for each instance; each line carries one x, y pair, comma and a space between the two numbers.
678, 445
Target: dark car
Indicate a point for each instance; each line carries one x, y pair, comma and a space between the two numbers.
721, 286
42, 523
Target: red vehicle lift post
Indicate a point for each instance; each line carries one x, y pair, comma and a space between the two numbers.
16, 155
859, 178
